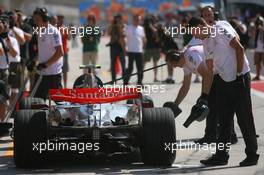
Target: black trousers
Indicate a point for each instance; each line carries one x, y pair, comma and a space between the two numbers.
114, 53
235, 97
48, 82
212, 120
138, 58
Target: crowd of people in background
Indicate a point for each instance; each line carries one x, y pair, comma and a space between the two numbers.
156, 42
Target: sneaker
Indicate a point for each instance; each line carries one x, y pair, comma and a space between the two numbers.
256, 78
206, 140
216, 160
169, 81
197, 80
250, 160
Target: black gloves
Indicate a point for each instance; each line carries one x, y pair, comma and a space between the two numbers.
41, 66
175, 109
203, 99
239, 82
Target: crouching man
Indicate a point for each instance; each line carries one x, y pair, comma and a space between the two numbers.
192, 61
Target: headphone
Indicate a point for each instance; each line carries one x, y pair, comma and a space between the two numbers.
215, 12
43, 12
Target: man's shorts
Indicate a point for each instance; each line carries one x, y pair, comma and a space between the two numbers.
65, 67
259, 58
48, 82
4, 75
151, 53
89, 58
14, 78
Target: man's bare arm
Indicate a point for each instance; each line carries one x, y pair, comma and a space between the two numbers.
12, 50
206, 71
21, 40
239, 49
58, 53
27, 36
184, 89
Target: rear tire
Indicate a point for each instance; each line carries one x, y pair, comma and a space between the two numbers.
30, 126
158, 128
26, 103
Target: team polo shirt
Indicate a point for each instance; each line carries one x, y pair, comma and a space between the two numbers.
135, 35
16, 47
224, 56
46, 49
194, 56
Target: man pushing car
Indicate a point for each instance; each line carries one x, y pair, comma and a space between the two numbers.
192, 61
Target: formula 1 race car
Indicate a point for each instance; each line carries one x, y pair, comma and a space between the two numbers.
108, 120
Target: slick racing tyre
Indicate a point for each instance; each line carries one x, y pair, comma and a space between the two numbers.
158, 129
30, 128
26, 103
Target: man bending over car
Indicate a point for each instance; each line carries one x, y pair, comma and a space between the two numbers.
192, 61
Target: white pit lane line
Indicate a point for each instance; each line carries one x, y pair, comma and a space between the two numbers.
256, 92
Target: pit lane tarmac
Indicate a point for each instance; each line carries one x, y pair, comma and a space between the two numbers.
80, 164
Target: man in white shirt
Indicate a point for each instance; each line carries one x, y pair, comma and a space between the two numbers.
225, 56
50, 54
192, 60
15, 31
136, 40
212, 120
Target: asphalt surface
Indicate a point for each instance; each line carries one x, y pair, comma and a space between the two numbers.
187, 161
